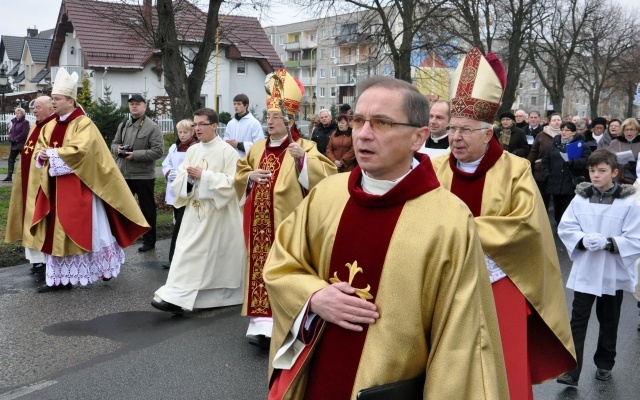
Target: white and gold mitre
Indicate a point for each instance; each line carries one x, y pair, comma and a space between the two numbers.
65, 84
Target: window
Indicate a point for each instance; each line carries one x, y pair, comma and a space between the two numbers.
203, 101
192, 57
296, 38
241, 67
387, 69
321, 92
334, 52
333, 91
534, 85
296, 56
271, 39
313, 37
334, 32
322, 73
281, 40
521, 85
534, 100
124, 99
322, 33
323, 54
333, 72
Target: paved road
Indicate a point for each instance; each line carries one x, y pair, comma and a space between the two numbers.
106, 342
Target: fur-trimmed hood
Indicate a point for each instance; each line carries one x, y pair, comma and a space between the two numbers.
585, 189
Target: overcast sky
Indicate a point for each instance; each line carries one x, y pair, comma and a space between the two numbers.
17, 16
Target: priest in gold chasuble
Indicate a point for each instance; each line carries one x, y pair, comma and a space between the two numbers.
378, 278
271, 181
513, 226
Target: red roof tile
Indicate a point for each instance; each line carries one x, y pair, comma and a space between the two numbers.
433, 61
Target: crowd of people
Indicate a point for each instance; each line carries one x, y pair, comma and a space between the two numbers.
316, 238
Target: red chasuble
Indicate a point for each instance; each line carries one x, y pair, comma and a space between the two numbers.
259, 227
372, 220
27, 156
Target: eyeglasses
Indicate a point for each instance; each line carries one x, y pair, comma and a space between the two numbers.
463, 130
630, 130
379, 125
202, 124
274, 117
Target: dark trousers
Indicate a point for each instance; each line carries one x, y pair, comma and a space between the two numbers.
143, 188
542, 187
608, 313
560, 204
13, 154
177, 215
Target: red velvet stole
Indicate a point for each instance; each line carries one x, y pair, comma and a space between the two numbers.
259, 229
372, 220
469, 187
27, 156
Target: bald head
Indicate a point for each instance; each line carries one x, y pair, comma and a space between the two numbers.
42, 108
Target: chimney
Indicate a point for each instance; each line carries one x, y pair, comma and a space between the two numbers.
146, 12
32, 32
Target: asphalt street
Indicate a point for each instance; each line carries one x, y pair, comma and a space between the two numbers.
105, 341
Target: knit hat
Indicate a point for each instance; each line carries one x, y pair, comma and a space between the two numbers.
508, 114
599, 121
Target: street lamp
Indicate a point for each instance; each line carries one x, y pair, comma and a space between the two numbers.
3, 82
215, 95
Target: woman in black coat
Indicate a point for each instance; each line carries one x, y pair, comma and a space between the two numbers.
561, 176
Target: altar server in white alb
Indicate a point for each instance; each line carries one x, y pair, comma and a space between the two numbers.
207, 269
244, 129
601, 230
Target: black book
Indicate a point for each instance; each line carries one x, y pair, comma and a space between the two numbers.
407, 390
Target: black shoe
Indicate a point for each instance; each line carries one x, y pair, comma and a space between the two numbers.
106, 279
603, 374
7, 179
168, 307
45, 288
166, 266
38, 268
567, 379
260, 341
146, 247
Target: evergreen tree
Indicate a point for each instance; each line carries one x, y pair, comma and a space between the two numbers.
106, 114
84, 97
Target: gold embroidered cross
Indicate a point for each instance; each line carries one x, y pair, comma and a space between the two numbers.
55, 144
353, 270
28, 147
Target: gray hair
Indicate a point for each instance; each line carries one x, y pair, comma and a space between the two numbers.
324, 110
581, 123
21, 110
415, 103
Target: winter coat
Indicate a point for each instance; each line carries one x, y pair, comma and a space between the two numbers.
622, 144
533, 131
538, 149
559, 173
148, 146
340, 148
518, 144
321, 135
18, 132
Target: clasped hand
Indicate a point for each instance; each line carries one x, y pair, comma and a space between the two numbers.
594, 241
194, 172
336, 304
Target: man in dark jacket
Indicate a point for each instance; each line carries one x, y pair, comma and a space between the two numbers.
137, 162
521, 119
533, 126
322, 133
510, 137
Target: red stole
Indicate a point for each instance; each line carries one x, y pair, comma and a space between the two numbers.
259, 228
74, 209
27, 156
372, 220
469, 187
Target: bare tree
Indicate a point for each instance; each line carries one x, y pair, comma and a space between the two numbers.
394, 24
599, 58
553, 46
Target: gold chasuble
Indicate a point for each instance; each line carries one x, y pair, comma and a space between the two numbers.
515, 233
59, 208
419, 262
269, 204
27, 167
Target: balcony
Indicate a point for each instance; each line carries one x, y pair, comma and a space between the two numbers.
292, 46
70, 69
351, 59
347, 80
307, 63
292, 64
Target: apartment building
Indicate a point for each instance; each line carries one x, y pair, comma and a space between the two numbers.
329, 56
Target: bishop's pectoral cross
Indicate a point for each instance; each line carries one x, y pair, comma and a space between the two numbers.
28, 147
55, 145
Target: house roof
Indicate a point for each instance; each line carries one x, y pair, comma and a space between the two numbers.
13, 45
14, 70
19, 78
433, 61
40, 75
48, 34
107, 42
39, 48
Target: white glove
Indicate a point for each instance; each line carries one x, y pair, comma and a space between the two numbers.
172, 175
594, 242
